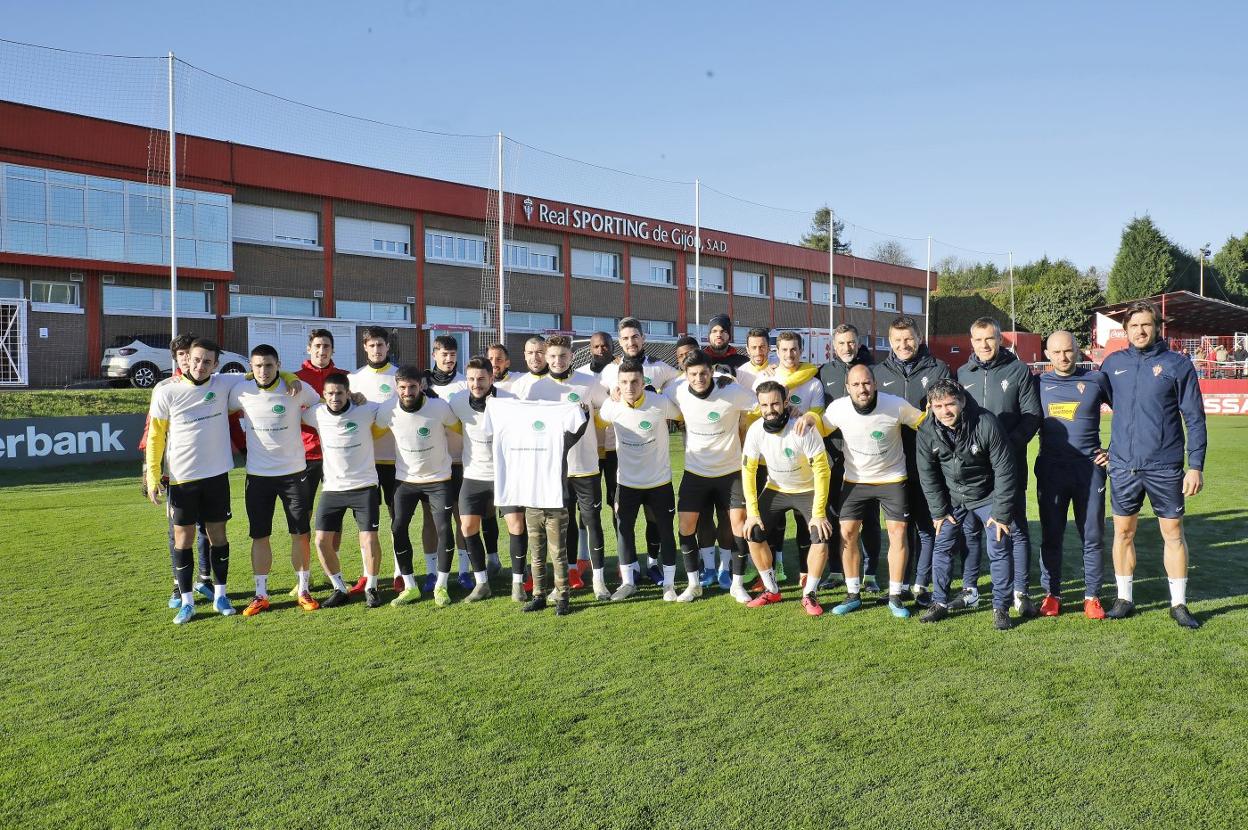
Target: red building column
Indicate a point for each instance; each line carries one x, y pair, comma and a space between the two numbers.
682, 294
418, 250
327, 242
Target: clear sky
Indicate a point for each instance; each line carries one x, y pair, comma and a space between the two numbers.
1037, 128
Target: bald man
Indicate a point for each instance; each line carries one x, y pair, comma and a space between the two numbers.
1070, 470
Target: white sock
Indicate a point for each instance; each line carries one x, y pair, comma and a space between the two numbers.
431, 563
694, 577
337, 581
853, 585
600, 577
409, 581
492, 560
370, 581
669, 576
517, 579
725, 561
262, 585
1178, 591
188, 598
894, 588
463, 561
303, 577
443, 578
738, 581
481, 577
769, 580
1125, 588
218, 591
708, 558
629, 574
635, 567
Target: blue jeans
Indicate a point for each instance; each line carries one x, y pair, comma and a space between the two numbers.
1000, 556
1019, 542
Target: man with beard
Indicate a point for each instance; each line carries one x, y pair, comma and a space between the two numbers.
601, 355
444, 379
723, 355
534, 356
1004, 385
758, 358
908, 372
500, 362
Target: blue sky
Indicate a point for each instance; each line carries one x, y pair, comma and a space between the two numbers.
1024, 127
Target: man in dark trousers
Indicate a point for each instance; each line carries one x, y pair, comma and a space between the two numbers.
1070, 470
1156, 394
1004, 385
909, 372
967, 469
847, 352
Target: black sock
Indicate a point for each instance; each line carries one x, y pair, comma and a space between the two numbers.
489, 530
220, 563
689, 547
802, 552
404, 558
653, 543
205, 557
740, 553
181, 558
476, 551
519, 547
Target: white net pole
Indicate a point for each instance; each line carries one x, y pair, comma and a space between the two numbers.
927, 292
173, 214
1013, 323
498, 255
697, 255
831, 275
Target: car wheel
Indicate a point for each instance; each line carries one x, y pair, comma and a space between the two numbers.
144, 375
233, 369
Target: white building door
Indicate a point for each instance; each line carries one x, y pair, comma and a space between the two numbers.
13, 343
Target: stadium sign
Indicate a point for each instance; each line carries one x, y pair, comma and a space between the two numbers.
33, 443
1233, 403
615, 225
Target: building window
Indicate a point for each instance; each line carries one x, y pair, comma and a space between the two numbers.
749, 283
710, 277
646, 271
450, 316
583, 324
458, 248
790, 288
362, 236
819, 292
372, 312
531, 321
124, 299
856, 297
885, 301
54, 293
881, 344
273, 306
531, 256
658, 328
911, 304
11, 289
257, 223
597, 264
89, 217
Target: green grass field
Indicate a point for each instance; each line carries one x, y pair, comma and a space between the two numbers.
638, 715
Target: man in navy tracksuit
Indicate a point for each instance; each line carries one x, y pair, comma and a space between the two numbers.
967, 472
1070, 469
908, 372
1004, 385
1155, 393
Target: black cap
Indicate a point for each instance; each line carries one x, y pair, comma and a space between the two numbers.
722, 320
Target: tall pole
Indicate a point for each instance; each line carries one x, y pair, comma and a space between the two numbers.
927, 292
502, 329
697, 255
173, 215
831, 275
1013, 324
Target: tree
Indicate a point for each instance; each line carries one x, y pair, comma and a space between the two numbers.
817, 237
1148, 263
1061, 303
892, 252
1231, 264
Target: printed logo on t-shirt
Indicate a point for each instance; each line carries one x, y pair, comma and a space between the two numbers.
796, 400
647, 380
788, 452
385, 387
211, 396
423, 432
279, 409
573, 397
713, 416
877, 435
539, 426
646, 425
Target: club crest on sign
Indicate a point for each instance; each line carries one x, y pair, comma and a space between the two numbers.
528, 209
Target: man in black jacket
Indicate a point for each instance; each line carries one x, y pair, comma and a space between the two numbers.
909, 372
847, 352
1004, 385
967, 471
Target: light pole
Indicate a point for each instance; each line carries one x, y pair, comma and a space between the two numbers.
1204, 254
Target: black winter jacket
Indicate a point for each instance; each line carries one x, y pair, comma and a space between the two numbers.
970, 466
1006, 387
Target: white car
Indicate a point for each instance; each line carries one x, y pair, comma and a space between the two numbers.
137, 360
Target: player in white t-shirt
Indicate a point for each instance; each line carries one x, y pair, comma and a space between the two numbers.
476, 494
276, 469
870, 423
797, 479
645, 475
444, 379
375, 381
758, 349
600, 357
500, 362
348, 432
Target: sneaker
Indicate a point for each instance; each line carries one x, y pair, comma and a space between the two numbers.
908, 595
528, 582
1183, 617
257, 605
359, 586
811, 605
518, 594
398, 584
934, 614
205, 590
601, 593
538, 603
1001, 619
575, 581
669, 593
725, 581
898, 608
185, 611
1025, 607
372, 597
765, 598
694, 591
1120, 610
833, 581
655, 574
427, 583
709, 579
780, 577
467, 581
562, 609
623, 592
175, 599
441, 597
308, 602
408, 596
922, 598
870, 586
584, 567
758, 585
969, 598
1050, 606
739, 594
1092, 609
335, 599
751, 573
222, 606
852, 603
479, 592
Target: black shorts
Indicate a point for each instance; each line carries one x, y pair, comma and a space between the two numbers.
861, 501
698, 494
772, 505
261, 495
476, 498
364, 504
203, 501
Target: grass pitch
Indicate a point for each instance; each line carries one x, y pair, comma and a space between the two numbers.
643, 714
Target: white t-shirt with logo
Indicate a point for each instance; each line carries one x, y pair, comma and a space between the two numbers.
748, 374
786, 454
377, 386
589, 376
197, 444
642, 439
478, 455
528, 446
422, 452
583, 455
444, 391
274, 441
805, 397
657, 374
347, 456
873, 449
712, 428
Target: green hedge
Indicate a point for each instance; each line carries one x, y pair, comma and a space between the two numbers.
60, 402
